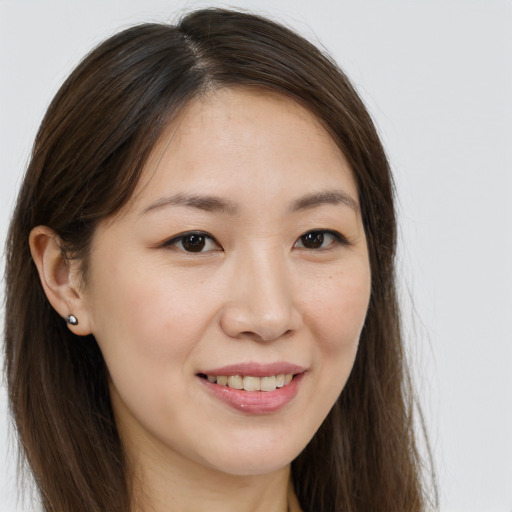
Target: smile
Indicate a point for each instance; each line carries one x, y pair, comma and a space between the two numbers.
250, 382
253, 388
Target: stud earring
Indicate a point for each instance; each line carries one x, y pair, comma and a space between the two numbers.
72, 320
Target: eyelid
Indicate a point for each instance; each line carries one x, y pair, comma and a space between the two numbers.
173, 241
338, 237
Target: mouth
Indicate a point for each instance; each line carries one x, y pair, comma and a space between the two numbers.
252, 388
251, 382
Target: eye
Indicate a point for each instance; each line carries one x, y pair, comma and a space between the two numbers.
193, 241
320, 239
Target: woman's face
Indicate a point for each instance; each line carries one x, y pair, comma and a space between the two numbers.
242, 258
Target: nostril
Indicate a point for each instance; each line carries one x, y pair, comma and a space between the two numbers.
263, 336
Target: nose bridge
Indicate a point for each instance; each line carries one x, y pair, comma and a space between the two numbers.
269, 281
261, 304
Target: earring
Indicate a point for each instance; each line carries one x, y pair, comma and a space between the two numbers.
72, 320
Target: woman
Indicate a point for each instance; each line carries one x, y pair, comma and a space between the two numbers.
201, 310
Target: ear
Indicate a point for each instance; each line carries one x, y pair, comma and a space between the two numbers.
60, 278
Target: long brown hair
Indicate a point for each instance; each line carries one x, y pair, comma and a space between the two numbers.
86, 161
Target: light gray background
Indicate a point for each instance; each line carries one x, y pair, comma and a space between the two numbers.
437, 77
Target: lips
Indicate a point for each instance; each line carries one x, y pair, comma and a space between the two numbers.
254, 388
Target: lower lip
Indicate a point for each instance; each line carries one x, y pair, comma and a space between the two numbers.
255, 402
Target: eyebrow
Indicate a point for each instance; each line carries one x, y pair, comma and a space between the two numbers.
201, 202
218, 205
326, 197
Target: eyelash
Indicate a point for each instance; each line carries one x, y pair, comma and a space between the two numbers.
204, 238
338, 239
178, 240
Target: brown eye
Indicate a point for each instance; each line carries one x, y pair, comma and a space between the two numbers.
312, 240
193, 242
320, 239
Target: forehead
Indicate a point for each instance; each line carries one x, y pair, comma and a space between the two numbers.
236, 138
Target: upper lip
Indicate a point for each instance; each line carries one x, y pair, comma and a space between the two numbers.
255, 369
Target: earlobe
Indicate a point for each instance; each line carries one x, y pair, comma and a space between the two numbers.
60, 279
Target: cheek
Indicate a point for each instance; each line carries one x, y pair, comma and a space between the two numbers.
337, 308
146, 331
147, 313
337, 311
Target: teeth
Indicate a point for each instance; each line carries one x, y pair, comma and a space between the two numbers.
236, 382
250, 383
268, 383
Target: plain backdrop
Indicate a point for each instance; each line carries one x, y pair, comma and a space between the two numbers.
437, 78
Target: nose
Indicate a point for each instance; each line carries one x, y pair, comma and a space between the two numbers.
261, 300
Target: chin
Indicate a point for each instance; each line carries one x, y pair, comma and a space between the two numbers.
242, 467
257, 457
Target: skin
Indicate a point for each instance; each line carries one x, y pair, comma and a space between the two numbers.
255, 294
